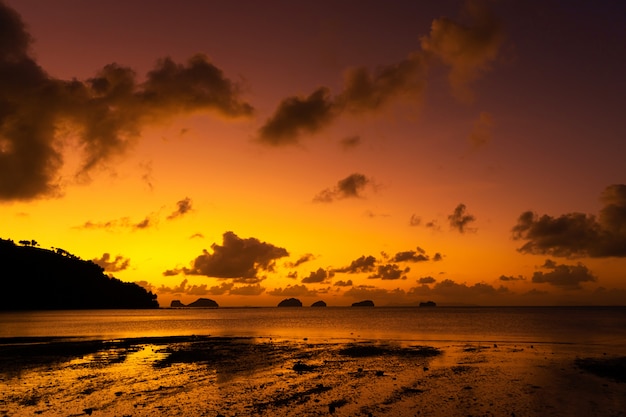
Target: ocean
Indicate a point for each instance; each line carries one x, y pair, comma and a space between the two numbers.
601, 328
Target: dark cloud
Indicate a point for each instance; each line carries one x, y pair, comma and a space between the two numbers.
196, 235
467, 50
426, 280
303, 259
172, 272
437, 257
410, 256
293, 291
297, 115
362, 264
511, 278
183, 288
568, 277
237, 258
578, 234
415, 220
292, 275
350, 142
250, 290
459, 219
107, 111
183, 207
340, 283
390, 272
350, 187
451, 290
318, 276
112, 265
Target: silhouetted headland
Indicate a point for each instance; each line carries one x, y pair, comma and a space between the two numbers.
43, 279
290, 302
319, 303
199, 303
364, 303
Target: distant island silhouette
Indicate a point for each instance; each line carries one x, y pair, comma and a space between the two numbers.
44, 279
428, 304
199, 303
290, 302
364, 303
319, 304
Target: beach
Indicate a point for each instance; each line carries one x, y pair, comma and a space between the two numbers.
242, 376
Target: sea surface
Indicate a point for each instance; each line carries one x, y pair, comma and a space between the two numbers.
601, 328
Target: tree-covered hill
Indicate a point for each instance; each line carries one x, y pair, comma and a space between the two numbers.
33, 278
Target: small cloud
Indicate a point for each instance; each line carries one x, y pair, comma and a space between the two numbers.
183, 207
426, 280
347, 283
293, 291
411, 256
183, 288
481, 134
112, 265
318, 276
350, 142
197, 235
350, 187
390, 272
459, 219
362, 264
303, 259
568, 277
511, 278
250, 290
415, 220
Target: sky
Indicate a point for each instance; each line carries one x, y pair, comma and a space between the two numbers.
465, 152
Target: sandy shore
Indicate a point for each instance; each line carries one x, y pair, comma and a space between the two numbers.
213, 376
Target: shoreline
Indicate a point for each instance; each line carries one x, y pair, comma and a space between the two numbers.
240, 376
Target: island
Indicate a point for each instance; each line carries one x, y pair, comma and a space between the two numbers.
428, 304
34, 278
364, 303
199, 303
319, 304
290, 302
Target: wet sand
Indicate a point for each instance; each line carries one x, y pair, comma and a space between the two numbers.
219, 376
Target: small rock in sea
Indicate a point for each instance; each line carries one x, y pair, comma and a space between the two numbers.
380, 373
425, 368
331, 409
88, 411
359, 370
495, 345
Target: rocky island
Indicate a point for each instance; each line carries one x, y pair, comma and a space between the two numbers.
290, 302
43, 279
199, 303
364, 303
319, 304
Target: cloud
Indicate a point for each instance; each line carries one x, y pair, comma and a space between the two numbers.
415, 220
106, 112
237, 258
196, 235
318, 276
303, 259
293, 291
578, 234
350, 142
340, 283
250, 290
437, 257
183, 207
183, 288
297, 115
410, 256
459, 219
481, 133
362, 264
112, 265
426, 280
567, 277
466, 50
511, 278
390, 272
121, 223
450, 290
350, 187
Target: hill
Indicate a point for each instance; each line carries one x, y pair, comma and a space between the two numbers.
40, 279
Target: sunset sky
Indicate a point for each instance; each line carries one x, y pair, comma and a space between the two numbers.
248, 151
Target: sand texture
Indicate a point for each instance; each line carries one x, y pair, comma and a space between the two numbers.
217, 376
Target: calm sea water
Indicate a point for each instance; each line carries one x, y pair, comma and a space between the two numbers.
591, 326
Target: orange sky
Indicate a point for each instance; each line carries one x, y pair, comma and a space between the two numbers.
464, 152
